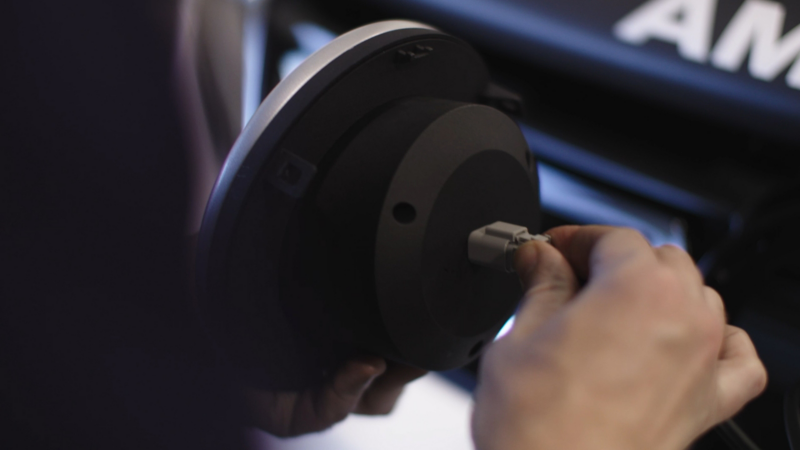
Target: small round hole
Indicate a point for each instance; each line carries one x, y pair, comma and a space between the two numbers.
404, 213
476, 349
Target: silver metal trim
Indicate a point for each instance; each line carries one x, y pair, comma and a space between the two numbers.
264, 115
254, 51
287, 88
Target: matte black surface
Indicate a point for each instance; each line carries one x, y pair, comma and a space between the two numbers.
349, 202
467, 169
466, 299
257, 230
460, 306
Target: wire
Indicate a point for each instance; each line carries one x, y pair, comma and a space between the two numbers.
734, 437
791, 417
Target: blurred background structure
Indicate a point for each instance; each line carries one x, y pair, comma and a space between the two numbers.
677, 118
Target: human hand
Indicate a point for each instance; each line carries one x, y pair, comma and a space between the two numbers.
640, 357
364, 385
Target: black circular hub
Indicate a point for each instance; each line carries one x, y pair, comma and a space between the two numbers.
340, 221
398, 206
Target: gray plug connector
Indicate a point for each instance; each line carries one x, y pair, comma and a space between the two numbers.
494, 245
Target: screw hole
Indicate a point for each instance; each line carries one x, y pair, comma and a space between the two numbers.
476, 349
404, 213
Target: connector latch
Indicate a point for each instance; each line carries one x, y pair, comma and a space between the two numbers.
494, 245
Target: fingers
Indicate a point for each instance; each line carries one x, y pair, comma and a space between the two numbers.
337, 398
549, 283
591, 250
289, 413
382, 394
364, 385
740, 374
270, 411
597, 247
344, 392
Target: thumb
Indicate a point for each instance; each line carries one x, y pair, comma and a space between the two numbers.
549, 283
740, 373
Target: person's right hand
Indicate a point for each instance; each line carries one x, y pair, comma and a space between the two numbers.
640, 357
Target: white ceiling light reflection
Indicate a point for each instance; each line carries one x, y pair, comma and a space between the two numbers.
432, 414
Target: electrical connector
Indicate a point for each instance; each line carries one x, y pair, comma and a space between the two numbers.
494, 245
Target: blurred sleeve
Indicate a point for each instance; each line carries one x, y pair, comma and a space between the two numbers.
98, 345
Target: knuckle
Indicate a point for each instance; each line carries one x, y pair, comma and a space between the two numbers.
732, 330
759, 377
670, 286
665, 284
711, 323
677, 333
629, 233
669, 249
675, 255
636, 235
712, 294
754, 370
684, 337
666, 278
619, 236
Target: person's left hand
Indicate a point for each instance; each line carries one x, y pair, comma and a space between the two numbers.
364, 385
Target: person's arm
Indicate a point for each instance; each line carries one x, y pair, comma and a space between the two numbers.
618, 345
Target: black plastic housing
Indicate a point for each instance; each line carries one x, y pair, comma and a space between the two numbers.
309, 239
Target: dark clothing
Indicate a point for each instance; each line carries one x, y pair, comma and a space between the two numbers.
98, 345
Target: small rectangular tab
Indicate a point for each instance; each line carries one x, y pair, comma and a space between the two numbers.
291, 174
414, 53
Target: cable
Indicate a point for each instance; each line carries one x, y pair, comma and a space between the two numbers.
494, 246
791, 417
734, 437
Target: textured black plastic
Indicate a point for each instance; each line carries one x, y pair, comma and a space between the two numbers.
293, 267
466, 299
468, 168
258, 235
463, 166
